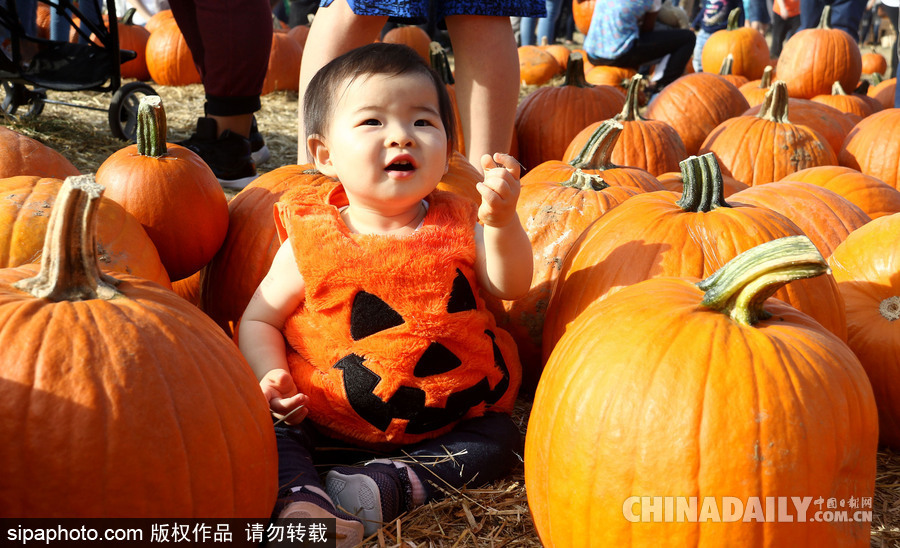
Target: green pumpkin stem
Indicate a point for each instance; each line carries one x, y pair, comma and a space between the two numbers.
825, 19
69, 268
734, 19
775, 105
585, 181
597, 151
575, 72
128, 16
630, 109
151, 127
727, 65
440, 63
704, 189
741, 287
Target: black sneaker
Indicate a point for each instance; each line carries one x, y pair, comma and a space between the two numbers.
258, 148
228, 155
375, 493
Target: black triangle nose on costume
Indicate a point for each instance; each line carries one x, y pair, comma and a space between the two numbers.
436, 359
370, 315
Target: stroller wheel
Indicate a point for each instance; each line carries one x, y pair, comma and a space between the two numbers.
123, 109
19, 102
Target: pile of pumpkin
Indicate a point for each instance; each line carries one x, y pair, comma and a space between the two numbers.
658, 364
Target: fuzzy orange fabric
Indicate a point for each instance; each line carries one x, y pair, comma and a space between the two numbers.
392, 343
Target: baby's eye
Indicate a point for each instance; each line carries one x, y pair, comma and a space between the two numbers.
371, 122
423, 123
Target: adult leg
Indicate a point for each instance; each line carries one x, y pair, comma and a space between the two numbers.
810, 13
487, 93
702, 37
779, 32
846, 14
892, 13
527, 32
546, 27
335, 30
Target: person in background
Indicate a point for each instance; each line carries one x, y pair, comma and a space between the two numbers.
712, 17
484, 49
891, 8
230, 41
533, 30
622, 34
845, 14
61, 29
785, 22
756, 15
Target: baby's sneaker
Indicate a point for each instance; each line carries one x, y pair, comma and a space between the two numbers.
305, 503
377, 493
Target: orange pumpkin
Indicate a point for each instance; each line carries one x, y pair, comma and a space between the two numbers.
870, 194
674, 181
171, 191
22, 155
727, 72
826, 120
122, 243
549, 117
163, 417
746, 45
884, 92
536, 66
284, 64
664, 233
671, 388
610, 76
867, 269
651, 145
412, 36
873, 147
850, 103
169, 60
824, 216
158, 19
582, 11
874, 62
696, 104
766, 147
836, 59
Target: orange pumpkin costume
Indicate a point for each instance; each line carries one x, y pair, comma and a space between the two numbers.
392, 343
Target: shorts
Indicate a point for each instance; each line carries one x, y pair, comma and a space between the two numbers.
422, 9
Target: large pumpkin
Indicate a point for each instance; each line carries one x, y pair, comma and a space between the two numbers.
122, 243
869, 193
171, 191
867, 269
284, 64
120, 394
169, 60
22, 155
825, 120
766, 147
674, 392
664, 233
813, 59
873, 147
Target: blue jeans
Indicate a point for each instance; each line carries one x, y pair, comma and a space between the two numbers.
756, 10
60, 26
845, 14
484, 448
546, 26
702, 37
27, 12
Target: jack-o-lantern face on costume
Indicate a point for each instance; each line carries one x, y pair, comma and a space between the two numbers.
392, 343
369, 316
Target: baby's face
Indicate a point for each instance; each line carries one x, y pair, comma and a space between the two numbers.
386, 141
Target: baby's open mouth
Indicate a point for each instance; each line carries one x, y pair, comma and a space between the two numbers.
400, 166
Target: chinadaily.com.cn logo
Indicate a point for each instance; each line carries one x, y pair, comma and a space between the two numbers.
760, 509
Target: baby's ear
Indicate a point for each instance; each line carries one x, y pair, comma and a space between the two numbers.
321, 155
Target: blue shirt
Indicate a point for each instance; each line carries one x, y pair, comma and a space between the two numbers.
615, 25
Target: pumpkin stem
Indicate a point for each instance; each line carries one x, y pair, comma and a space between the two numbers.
890, 308
128, 16
585, 181
775, 105
597, 151
727, 65
69, 268
734, 19
439, 62
766, 80
837, 88
740, 288
151, 127
704, 189
575, 72
630, 109
825, 20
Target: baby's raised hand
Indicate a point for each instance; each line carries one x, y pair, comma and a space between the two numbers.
499, 191
280, 391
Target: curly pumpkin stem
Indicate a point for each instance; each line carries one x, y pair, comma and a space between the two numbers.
575, 72
825, 19
585, 181
775, 105
597, 151
727, 65
704, 189
439, 62
734, 19
69, 268
740, 288
630, 109
151, 127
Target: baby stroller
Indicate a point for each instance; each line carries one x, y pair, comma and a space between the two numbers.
29, 66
